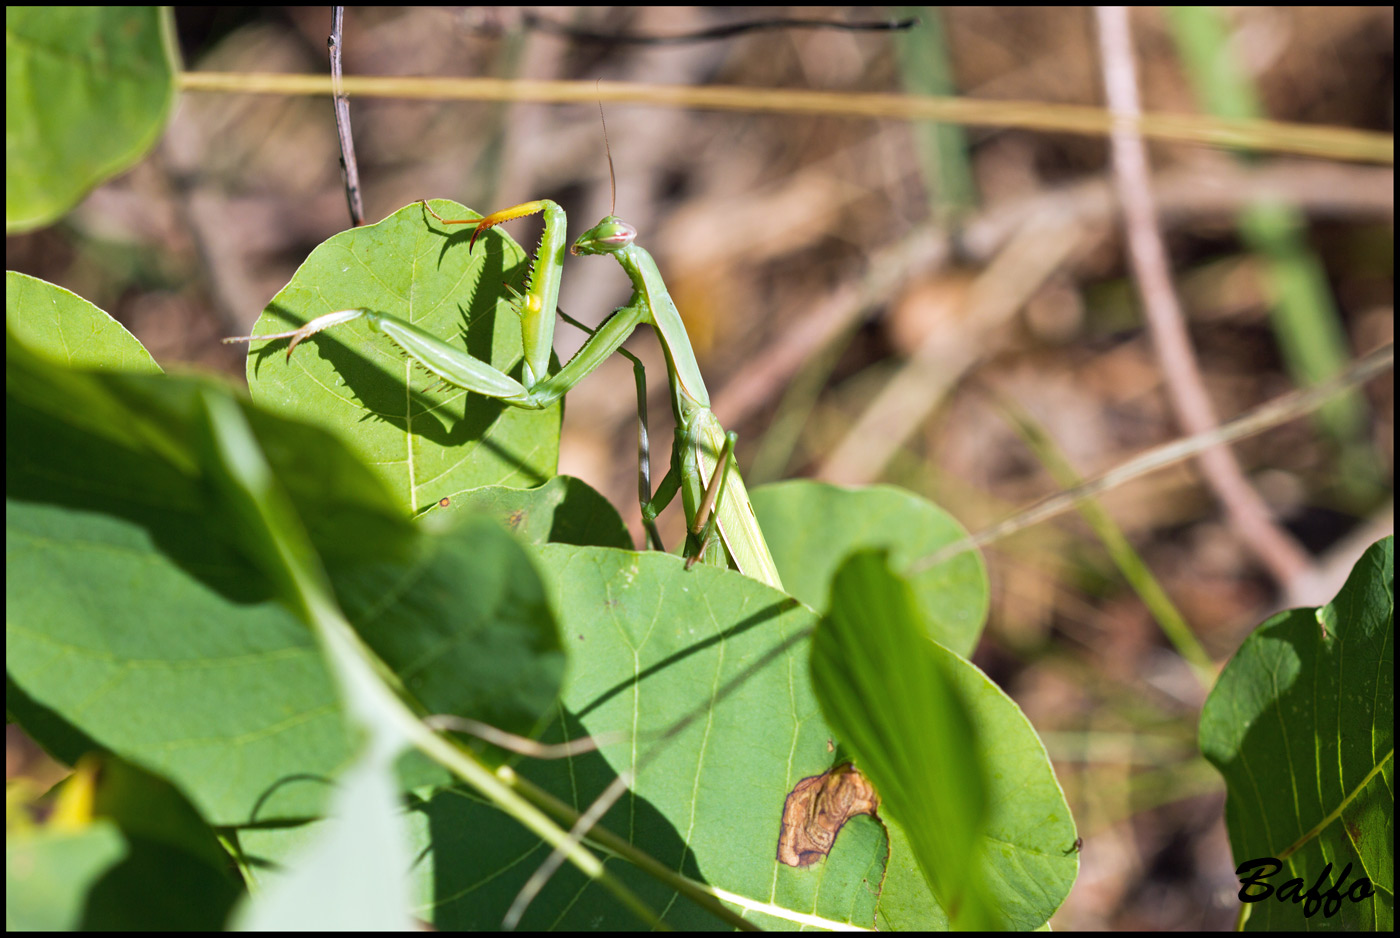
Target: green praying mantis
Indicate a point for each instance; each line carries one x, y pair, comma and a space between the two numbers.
702, 467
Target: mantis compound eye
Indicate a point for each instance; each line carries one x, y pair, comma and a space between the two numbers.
609, 235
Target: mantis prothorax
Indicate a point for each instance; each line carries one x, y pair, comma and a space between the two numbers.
702, 464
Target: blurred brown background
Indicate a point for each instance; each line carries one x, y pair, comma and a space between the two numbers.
834, 280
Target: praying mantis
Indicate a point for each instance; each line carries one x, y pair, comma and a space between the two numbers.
702, 468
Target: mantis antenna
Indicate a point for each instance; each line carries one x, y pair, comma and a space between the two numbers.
612, 176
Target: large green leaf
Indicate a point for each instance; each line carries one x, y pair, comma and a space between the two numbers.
465, 624
703, 672
1302, 726
708, 670
68, 329
137, 623
427, 440
87, 92
965, 781
811, 527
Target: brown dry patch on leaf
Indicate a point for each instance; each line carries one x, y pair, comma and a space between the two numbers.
817, 808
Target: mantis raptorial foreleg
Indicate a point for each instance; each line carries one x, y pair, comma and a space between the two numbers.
702, 454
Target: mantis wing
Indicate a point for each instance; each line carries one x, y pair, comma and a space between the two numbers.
738, 525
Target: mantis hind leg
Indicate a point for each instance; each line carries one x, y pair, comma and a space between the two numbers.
644, 496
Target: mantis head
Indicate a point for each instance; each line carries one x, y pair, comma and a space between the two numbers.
609, 236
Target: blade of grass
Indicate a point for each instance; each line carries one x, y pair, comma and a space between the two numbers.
1306, 321
1168, 617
